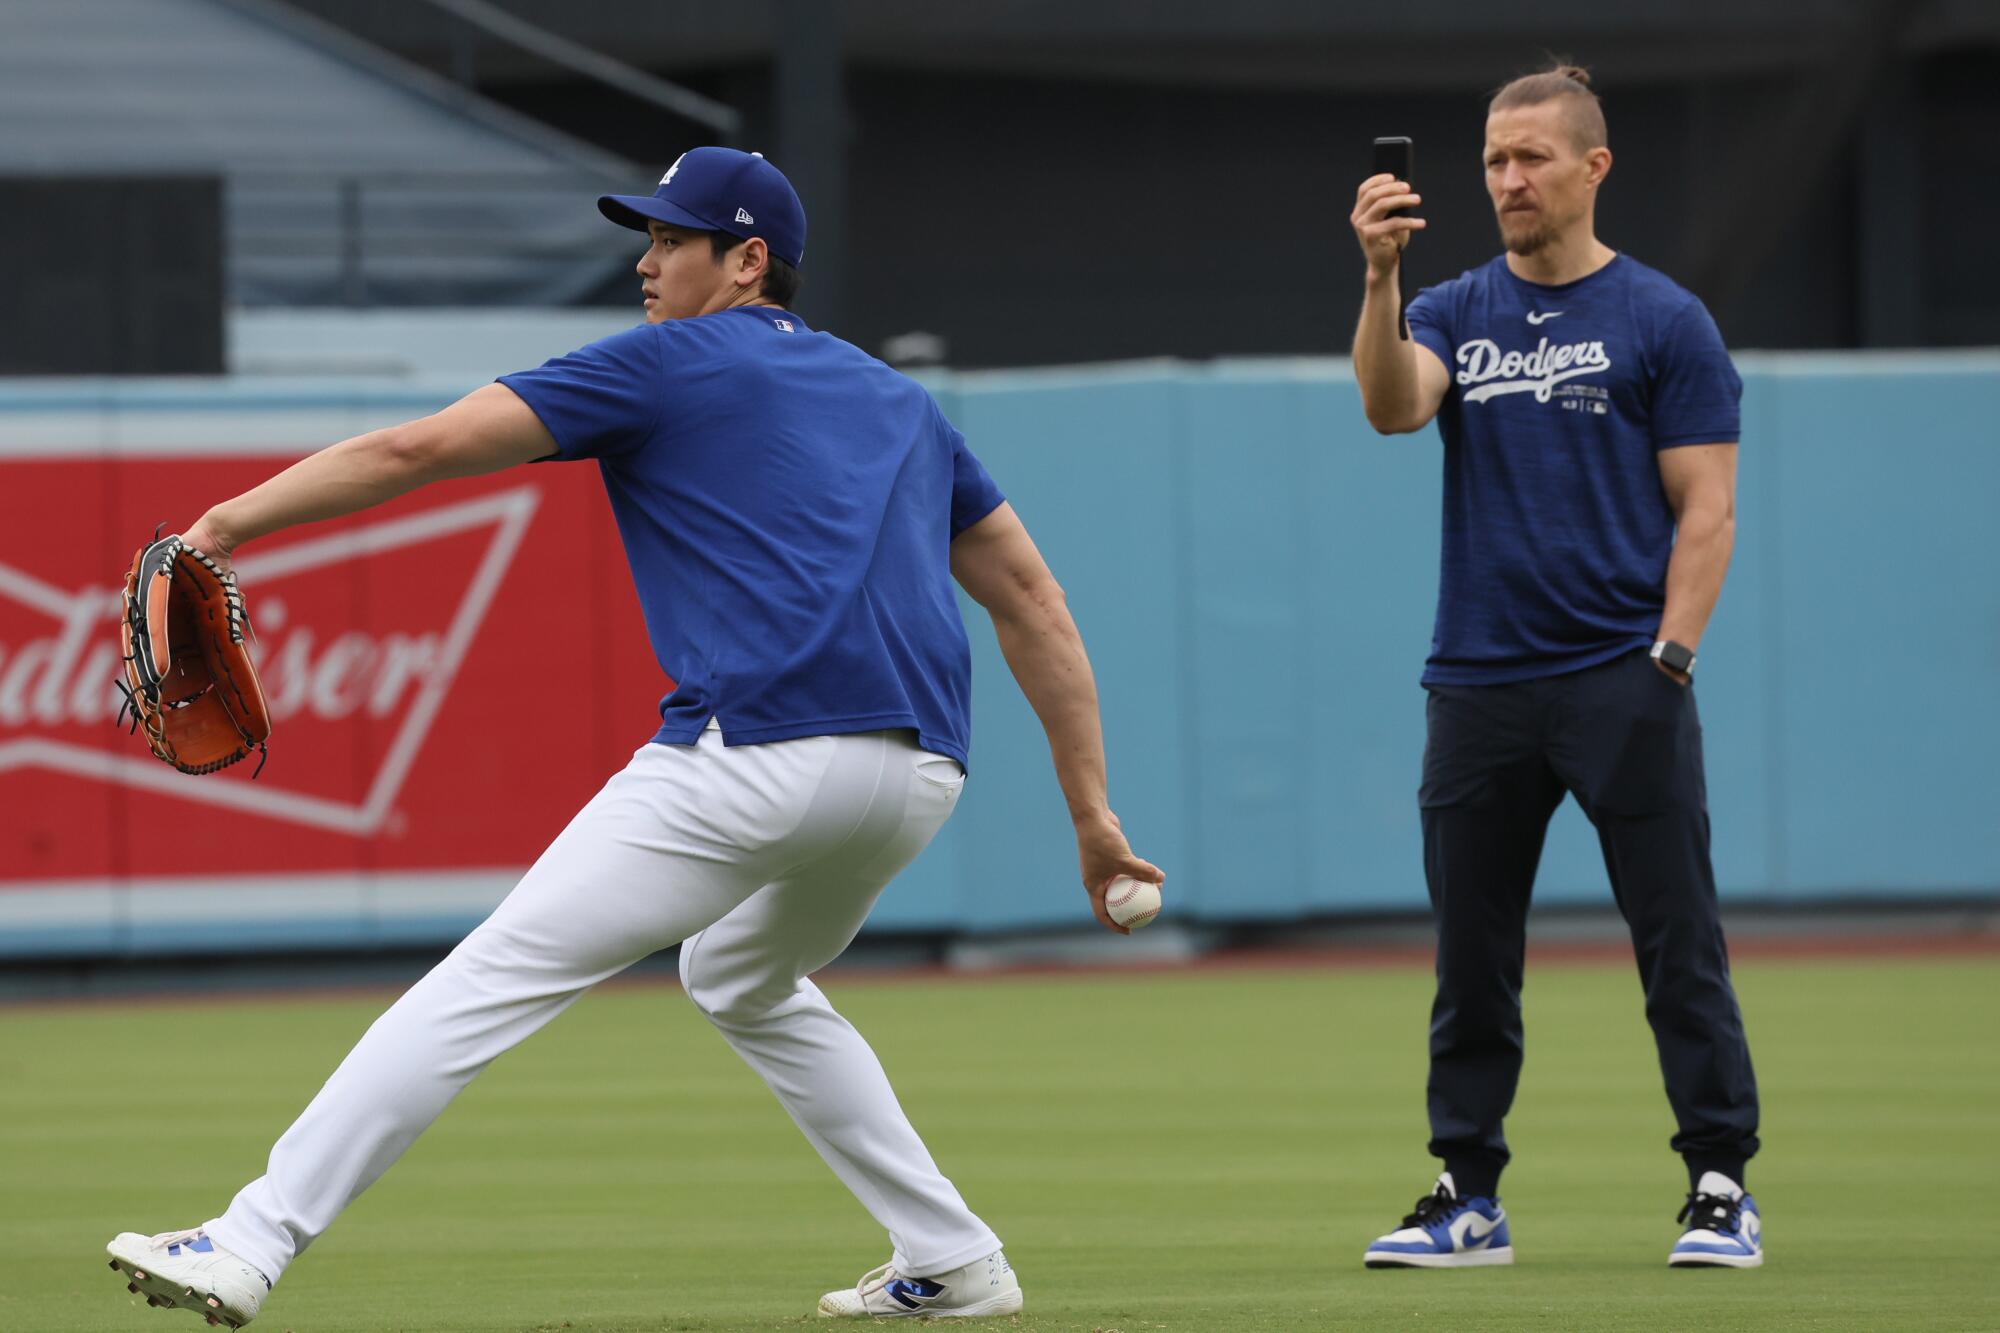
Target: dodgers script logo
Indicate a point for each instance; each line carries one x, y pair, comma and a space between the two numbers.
1537, 372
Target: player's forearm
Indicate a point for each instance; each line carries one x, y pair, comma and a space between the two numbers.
1046, 655
1385, 363
1702, 545
353, 475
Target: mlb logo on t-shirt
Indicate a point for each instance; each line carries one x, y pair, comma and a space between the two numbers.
784, 325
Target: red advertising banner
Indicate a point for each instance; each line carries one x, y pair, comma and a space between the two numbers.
451, 676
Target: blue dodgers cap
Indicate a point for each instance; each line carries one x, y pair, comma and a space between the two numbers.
720, 189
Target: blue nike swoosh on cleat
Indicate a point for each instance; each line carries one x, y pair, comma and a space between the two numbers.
200, 1245
911, 1293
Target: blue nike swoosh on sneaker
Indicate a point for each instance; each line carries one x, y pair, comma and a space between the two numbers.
1475, 1238
200, 1245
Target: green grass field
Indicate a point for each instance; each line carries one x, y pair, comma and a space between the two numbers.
1207, 1151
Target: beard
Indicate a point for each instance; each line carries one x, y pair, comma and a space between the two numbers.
1526, 233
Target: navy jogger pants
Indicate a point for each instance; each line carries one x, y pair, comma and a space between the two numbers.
1624, 739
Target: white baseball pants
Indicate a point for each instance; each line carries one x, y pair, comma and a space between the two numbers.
762, 861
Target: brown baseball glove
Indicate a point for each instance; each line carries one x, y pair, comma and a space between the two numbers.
189, 681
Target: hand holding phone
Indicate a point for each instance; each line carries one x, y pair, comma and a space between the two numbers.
1395, 157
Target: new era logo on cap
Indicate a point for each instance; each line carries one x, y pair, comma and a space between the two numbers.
744, 217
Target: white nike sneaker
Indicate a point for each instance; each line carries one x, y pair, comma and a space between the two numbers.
1725, 1229
186, 1270
1446, 1231
984, 1286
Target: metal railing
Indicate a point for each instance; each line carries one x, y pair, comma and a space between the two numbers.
494, 22
360, 238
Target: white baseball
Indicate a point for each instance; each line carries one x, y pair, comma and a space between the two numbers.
1132, 903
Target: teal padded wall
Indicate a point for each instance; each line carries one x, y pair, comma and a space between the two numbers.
1254, 571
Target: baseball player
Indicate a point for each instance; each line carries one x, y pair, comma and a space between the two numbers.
1590, 417
794, 513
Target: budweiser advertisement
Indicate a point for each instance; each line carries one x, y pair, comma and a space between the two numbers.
450, 677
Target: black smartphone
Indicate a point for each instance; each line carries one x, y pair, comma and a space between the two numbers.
1397, 155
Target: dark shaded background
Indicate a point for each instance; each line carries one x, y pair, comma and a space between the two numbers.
1039, 182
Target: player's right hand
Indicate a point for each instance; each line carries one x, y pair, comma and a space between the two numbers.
1383, 238
1103, 855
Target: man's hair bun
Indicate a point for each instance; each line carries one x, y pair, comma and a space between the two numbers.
1563, 82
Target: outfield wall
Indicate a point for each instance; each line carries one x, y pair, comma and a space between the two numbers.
1252, 567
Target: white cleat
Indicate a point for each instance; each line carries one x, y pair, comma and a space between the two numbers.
186, 1270
983, 1287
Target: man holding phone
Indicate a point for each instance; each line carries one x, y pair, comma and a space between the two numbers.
1590, 416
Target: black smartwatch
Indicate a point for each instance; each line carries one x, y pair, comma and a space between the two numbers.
1678, 656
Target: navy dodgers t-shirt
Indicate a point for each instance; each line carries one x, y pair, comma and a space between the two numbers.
787, 504
1556, 529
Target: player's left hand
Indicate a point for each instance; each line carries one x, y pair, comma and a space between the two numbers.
204, 537
1103, 855
1678, 677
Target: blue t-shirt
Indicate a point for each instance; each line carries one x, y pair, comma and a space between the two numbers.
1556, 528
787, 504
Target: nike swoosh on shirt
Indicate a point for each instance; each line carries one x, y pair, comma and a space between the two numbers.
1537, 317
